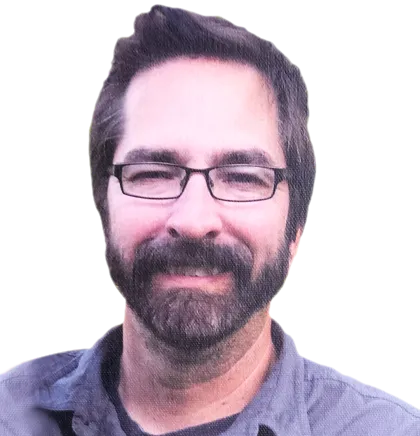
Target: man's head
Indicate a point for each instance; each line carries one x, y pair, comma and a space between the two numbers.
199, 92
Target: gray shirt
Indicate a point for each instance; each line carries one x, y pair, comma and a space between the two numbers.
64, 395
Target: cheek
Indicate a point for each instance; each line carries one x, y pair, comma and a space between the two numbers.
132, 221
130, 227
262, 227
259, 228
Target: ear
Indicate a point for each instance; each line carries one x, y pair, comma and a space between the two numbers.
294, 245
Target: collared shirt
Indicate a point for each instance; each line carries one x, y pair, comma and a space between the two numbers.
64, 395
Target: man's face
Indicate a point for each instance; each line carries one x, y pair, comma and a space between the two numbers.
194, 269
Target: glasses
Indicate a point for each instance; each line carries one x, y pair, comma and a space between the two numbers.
165, 181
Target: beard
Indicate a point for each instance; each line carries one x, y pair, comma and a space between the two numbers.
193, 319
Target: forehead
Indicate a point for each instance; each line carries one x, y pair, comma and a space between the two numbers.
200, 109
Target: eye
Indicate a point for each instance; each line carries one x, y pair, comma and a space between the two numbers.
243, 178
149, 175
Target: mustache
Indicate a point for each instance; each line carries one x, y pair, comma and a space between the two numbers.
160, 256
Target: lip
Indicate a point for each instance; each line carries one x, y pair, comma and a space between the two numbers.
212, 283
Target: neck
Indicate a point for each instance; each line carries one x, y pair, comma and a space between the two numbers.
165, 389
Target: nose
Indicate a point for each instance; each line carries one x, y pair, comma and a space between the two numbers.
195, 214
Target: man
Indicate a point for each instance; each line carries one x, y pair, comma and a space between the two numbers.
202, 172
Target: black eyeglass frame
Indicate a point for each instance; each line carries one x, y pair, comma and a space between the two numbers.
280, 175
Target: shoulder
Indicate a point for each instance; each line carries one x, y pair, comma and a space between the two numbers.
22, 387
338, 404
30, 377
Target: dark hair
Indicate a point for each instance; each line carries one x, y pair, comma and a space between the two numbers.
166, 33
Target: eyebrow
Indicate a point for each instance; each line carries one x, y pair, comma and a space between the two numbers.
252, 156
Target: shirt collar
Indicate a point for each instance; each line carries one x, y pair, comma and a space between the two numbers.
279, 405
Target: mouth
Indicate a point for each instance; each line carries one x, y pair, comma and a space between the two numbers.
194, 272
212, 280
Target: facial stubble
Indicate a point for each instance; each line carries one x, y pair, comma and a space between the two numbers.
194, 319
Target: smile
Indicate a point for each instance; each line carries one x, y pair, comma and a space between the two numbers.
194, 272
211, 279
